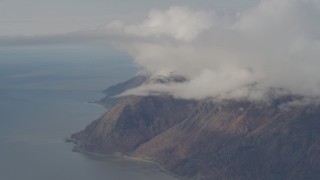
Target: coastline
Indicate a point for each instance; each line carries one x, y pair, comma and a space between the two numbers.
76, 148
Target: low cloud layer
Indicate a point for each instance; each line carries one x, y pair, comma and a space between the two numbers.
273, 47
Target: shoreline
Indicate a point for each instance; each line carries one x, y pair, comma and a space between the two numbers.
165, 170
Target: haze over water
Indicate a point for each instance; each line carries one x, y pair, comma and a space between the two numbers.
43, 98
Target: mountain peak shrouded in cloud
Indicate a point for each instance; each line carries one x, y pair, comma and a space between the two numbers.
273, 47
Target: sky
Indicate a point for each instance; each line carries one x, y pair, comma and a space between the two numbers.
233, 49
33, 17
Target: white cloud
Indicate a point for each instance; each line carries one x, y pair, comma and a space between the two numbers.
179, 23
275, 45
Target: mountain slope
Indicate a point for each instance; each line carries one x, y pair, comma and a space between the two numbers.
209, 139
111, 93
241, 141
131, 122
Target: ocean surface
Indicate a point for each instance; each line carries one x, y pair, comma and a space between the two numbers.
44, 98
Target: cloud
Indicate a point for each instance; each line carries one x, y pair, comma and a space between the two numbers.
179, 23
274, 46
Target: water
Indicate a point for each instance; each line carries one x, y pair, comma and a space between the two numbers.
43, 98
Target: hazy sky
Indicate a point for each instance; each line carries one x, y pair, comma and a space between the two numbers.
34, 17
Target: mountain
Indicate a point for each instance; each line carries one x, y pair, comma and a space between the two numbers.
111, 93
209, 139
132, 122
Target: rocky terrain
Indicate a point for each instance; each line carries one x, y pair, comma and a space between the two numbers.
210, 139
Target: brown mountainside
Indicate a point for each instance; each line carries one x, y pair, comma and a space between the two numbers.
131, 122
212, 140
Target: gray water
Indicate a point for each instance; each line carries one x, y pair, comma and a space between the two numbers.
43, 98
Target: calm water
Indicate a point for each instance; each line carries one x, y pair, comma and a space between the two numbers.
43, 98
